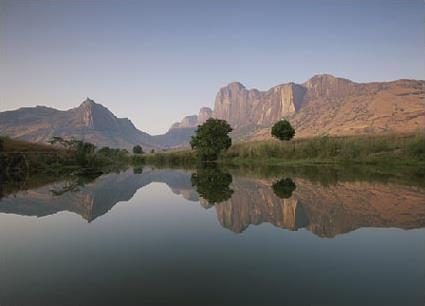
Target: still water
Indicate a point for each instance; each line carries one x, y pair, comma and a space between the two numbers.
215, 237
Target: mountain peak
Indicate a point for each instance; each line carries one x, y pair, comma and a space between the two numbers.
88, 102
235, 85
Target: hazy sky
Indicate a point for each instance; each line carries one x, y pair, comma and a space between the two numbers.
156, 61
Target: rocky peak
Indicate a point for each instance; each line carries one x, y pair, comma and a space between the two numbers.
235, 86
234, 103
88, 102
205, 113
326, 85
95, 116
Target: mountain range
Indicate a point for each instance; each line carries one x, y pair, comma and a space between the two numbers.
323, 105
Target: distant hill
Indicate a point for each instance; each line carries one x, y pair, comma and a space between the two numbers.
89, 121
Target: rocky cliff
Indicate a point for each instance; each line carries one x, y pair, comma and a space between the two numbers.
240, 106
324, 105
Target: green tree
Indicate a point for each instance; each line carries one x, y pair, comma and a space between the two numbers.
211, 138
283, 130
137, 149
84, 151
284, 188
212, 184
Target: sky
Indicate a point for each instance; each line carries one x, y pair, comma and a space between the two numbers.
157, 61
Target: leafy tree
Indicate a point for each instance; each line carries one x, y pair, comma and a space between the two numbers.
284, 188
84, 151
212, 184
137, 149
283, 130
211, 138
152, 151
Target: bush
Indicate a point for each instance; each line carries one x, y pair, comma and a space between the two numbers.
283, 130
137, 149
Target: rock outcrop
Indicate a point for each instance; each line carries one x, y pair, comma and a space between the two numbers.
194, 120
324, 105
240, 106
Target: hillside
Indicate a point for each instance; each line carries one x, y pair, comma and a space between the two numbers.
90, 121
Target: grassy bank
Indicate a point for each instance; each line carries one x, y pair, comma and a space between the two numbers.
19, 158
172, 158
383, 149
392, 150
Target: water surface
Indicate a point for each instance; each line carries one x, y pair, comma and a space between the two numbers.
210, 236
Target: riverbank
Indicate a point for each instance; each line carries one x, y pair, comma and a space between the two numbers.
18, 158
395, 150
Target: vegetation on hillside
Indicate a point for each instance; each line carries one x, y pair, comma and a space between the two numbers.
18, 158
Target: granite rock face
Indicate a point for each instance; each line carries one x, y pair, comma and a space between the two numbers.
324, 105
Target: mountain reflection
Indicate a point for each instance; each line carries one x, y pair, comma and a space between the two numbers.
288, 203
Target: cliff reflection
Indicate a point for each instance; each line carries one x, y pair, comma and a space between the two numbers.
289, 203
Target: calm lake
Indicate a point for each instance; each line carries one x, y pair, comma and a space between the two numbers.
215, 237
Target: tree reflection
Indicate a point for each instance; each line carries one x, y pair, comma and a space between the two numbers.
138, 170
74, 184
212, 184
284, 188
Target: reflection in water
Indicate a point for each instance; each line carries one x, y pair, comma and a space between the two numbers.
284, 188
144, 240
239, 202
212, 184
73, 184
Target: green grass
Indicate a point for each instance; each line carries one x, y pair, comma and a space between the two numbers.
394, 149
170, 158
383, 149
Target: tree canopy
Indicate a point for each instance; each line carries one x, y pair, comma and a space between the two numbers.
137, 149
211, 138
283, 130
